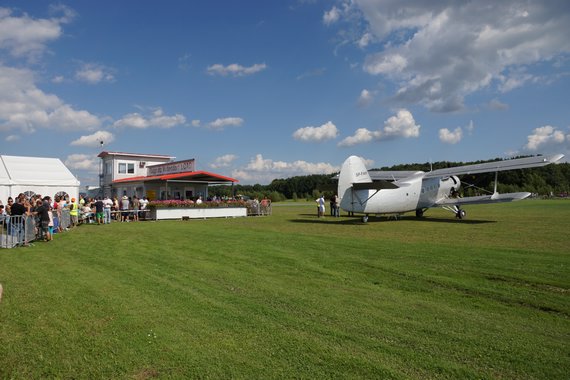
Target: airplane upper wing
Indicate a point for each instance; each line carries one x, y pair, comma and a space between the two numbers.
496, 166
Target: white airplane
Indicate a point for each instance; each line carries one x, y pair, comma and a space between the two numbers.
398, 192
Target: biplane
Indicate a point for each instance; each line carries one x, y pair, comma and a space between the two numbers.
397, 192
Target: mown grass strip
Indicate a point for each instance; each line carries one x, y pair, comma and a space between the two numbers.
293, 296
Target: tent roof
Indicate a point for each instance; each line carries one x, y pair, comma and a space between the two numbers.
198, 176
18, 170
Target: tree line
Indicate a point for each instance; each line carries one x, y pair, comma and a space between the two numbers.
544, 181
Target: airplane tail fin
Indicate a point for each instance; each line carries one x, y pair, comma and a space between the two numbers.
353, 171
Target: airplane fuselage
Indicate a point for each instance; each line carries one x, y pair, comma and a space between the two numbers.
413, 193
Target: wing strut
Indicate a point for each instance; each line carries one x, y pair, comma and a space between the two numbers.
495, 189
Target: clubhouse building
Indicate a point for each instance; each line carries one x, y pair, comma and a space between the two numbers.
158, 177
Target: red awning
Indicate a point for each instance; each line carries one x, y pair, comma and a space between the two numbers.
199, 175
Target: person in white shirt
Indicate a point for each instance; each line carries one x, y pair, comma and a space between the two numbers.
107, 204
143, 203
321, 206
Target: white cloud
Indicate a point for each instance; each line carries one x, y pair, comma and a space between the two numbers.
332, 16
470, 127
326, 131
58, 79
235, 69
545, 136
196, 123
223, 161
437, 53
93, 73
366, 98
447, 136
261, 170
11, 138
82, 162
388, 64
496, 104
220, 123
312, 73
184, 62
156, 119
361, 136
23, 36
450, 137
95, 139
401, 125
365, 40
24, 106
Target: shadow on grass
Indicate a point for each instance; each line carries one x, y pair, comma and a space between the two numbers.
373, 219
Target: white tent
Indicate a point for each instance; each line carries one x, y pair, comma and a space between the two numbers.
39, 175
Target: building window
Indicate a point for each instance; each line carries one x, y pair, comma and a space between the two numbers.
125, 168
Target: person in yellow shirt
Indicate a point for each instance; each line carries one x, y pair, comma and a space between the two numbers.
73, 212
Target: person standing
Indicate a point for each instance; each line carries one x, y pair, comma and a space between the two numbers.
143, 202
336, 206
107, 204
321, 206
43, 215
116, 209
125, 209
99, 206
135, 207
17, 222
74, 212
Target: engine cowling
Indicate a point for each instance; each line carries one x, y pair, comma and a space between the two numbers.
450, 185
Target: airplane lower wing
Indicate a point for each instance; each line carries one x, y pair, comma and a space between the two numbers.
491, 198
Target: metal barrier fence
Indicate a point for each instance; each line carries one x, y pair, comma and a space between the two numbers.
258, 208
21, 230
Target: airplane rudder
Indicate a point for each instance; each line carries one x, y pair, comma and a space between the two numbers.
352, 171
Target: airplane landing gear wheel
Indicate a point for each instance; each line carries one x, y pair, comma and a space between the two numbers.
461, 214
365, 219
419, 213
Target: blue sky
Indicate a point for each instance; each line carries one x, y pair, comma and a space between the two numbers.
259, 90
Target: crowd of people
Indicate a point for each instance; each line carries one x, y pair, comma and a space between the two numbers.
104, 210
49, 213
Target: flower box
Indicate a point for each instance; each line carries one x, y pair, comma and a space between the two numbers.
196, 213
176, 209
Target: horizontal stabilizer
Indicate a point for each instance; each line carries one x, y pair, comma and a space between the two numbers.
491, 198
375, 185
391, 175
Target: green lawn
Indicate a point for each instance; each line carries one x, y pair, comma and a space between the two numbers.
293, 296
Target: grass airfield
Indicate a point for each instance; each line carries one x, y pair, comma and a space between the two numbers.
293, 296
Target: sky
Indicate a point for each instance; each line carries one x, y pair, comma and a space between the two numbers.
258, 90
